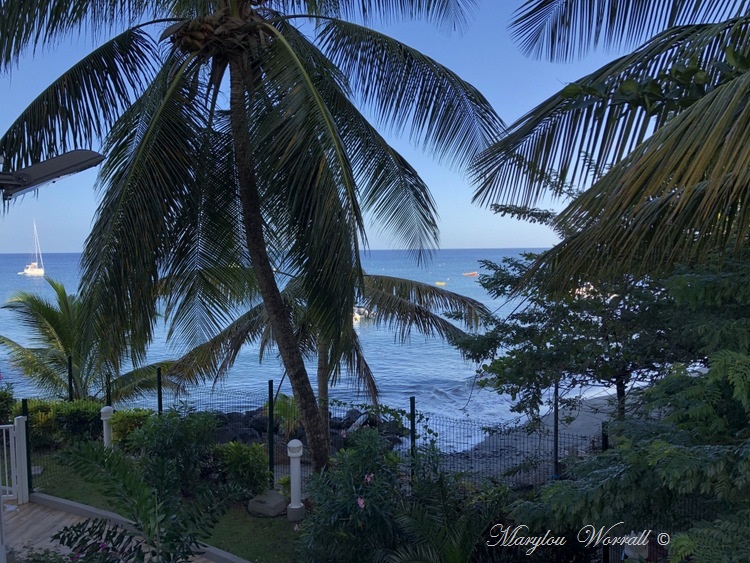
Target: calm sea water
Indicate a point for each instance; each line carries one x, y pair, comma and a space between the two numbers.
425, 367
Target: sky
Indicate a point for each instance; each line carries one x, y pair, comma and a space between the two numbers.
484, 55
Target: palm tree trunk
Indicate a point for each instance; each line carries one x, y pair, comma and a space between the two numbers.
278, 314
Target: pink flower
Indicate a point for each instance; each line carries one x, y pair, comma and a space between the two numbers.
369, 477
343, 433
361, 502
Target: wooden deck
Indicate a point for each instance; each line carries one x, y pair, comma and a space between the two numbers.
33, 525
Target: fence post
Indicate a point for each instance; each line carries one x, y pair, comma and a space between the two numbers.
556, 434
106, 414
70, 378
605, 447
25, 414
295, 511
22, 461
413, 432
159, 404
271, 462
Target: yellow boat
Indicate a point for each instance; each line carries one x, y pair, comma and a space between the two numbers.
439, 283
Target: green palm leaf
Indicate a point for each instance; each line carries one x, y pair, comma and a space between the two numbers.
564, 29
80, 106
590, 125
406, 89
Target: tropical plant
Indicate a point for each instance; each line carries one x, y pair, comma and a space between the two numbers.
354, 502
63, 329
125, 422
245, 467
164, 527
244, 147
615, 334
400, 304
6, 402
175, 448
660, 132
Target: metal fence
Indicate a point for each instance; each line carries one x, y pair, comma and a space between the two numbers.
480, 451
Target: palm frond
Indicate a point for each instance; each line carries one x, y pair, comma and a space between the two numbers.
410, 91
27, 26
49, 368
564, 30
212, 359
139, 381
207, 272
309, 189
590, 125
81, 105
680, 195
446, 14
148, 175
357, 369
404, 305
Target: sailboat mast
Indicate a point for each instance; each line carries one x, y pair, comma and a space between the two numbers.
37, 249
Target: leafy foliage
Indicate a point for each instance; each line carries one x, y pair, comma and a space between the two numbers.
245, 467
57, 423
175, 448
355, 502
64, 329
6, 403
612, 334
127, 421
165, 527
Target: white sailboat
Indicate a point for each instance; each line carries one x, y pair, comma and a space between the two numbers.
36, 267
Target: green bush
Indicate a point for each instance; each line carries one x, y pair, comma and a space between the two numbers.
42, 426
54, 424
354, 502
176, 446
125, 422
6, 403
78, 420
244, 467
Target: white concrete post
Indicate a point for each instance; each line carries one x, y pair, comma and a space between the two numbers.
296, 510
21, 478
107, 413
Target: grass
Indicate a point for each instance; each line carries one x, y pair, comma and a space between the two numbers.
262, 540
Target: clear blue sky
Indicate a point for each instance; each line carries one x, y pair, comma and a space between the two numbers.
483, 55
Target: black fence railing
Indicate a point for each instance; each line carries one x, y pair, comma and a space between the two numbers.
480, 451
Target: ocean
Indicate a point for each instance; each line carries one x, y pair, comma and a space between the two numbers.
425, 367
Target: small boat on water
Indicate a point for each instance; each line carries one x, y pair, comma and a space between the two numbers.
36, 267
472, 274
440, 283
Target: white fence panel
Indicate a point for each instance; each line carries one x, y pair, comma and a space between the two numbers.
8, 469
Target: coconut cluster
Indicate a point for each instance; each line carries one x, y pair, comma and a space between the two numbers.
217, 33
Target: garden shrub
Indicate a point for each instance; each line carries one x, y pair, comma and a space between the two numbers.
244, 467
125, 422
78, 420
175, 447
354, 502
53, 424
42, 425
6, 403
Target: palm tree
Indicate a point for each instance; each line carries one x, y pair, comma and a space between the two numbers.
245, 147
400, 304
661, 132
61, 330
